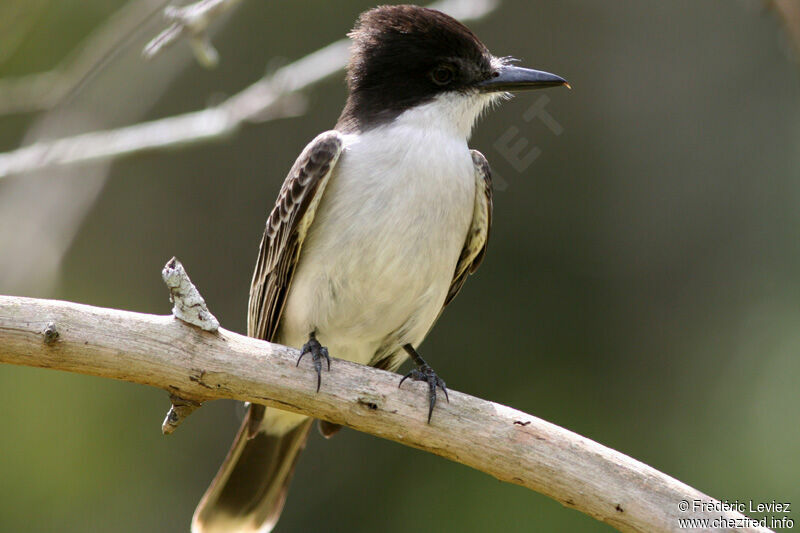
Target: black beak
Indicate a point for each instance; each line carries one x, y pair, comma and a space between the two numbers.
511, 78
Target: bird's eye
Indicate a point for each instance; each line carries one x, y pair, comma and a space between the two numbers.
443, 74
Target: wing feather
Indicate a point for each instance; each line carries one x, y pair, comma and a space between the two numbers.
285, 231
478, 235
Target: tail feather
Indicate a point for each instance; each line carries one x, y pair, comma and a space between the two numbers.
248, 492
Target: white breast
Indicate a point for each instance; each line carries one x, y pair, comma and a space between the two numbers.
382, 249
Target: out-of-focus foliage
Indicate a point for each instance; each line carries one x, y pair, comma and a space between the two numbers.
641, 286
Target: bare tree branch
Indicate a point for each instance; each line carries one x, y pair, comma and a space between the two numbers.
195, 366
192, 20
271, 96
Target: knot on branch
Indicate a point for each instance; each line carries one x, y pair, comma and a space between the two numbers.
188, 306
50, 333
180, 409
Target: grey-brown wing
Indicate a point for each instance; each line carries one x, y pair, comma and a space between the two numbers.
478, 235
285, 231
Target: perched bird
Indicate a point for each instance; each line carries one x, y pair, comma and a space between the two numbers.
374, 232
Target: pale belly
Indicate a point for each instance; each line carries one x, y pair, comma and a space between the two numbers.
379, 258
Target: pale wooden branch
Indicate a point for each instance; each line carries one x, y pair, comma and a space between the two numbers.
197, 365
274, 95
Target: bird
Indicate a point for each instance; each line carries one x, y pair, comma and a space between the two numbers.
375, 230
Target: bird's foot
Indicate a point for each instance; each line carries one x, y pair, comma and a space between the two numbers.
425, 373
318, 353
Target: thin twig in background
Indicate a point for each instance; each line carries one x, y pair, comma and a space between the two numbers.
196, 366
270, 97
191, 20
43, 90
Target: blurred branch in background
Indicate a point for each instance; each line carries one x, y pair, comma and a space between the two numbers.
195, 366
268, 98
191, 20
43, 90
789, 13
90, 92
211, 123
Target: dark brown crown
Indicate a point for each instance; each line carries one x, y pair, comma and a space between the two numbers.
400, 58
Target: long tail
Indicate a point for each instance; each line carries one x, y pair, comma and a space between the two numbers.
248, 492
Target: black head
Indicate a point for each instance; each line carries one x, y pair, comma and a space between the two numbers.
404, 56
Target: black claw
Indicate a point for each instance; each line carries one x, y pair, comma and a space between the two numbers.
327, 357
425, 373
405, 378
318, 352
431, 398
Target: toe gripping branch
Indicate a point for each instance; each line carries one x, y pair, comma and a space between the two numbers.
425, 373
318, 353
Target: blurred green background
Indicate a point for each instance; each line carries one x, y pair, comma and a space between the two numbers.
641, 288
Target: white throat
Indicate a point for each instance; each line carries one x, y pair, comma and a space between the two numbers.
450, 113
